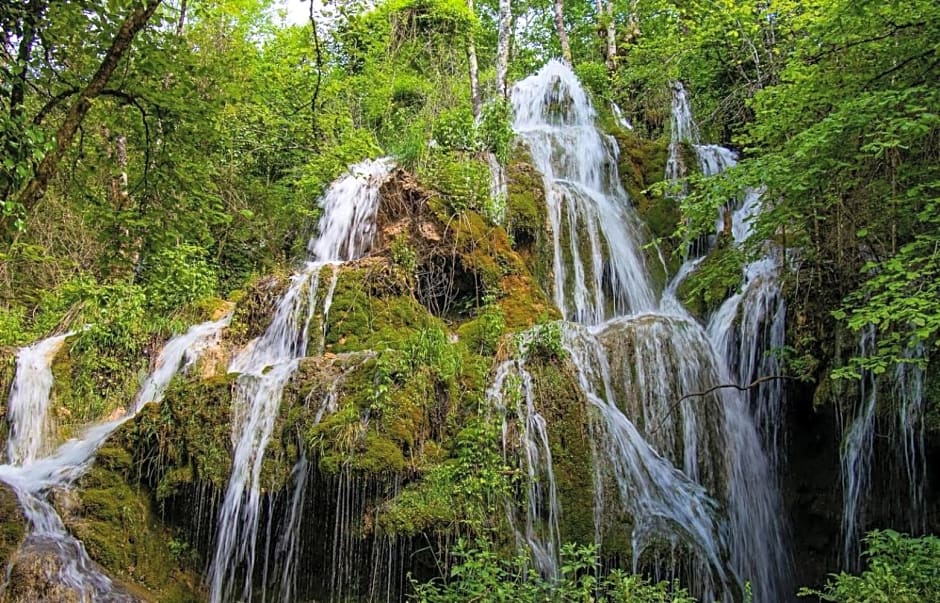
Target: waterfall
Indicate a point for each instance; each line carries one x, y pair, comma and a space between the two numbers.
689, 471
29, 400
346, 231
857, 444
909, 391
598, 269
32, 476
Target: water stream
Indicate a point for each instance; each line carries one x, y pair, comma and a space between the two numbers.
599, 269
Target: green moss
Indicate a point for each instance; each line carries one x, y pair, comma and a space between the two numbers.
188, 434
482, 334
7, 373
370, 311
12, 523
564, 408
89, 384
642, 163
115, 521
713, 280
428, 506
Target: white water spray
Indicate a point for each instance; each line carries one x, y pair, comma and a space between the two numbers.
29, 400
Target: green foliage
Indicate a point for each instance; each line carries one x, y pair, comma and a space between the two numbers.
595, 77
463, 181
404, 258
480, 573
177, 276
901, 569
494, 131
542, 341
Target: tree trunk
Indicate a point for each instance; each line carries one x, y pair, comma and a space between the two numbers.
502, 45
47, 168
475, 100
318, 53
182, 20
611, 58
562, 33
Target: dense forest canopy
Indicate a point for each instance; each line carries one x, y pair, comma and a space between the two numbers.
157, 157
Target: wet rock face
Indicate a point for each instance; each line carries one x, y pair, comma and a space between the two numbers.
811, 482
34, 572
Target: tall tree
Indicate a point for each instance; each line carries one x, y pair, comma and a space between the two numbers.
605, 16
475, 99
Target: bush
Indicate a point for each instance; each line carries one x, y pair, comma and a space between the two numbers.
178, 275
901, 569
480, 574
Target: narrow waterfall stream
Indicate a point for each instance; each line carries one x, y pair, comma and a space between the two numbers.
345, 232
691, 473
598, 267
904, 389
34, 477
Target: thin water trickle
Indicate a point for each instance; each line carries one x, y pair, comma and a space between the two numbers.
857, 449
346, 231
512, 394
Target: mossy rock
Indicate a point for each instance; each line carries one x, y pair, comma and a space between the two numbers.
527, 216
7, 374
254, 308
714, 279
369, 312
564, 408
91, 384
191, 429
114, 518
12, 522
641, 164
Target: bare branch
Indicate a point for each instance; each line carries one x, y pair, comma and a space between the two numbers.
712, 390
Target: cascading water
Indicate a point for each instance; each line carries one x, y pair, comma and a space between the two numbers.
598, 269
29, 400
909, 391
33, 477
346, 231
691, 459
857, 448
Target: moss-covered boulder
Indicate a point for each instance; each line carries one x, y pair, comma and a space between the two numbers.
114, 518
187, 437
254, 308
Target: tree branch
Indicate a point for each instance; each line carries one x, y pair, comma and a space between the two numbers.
36, 187
51, 104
